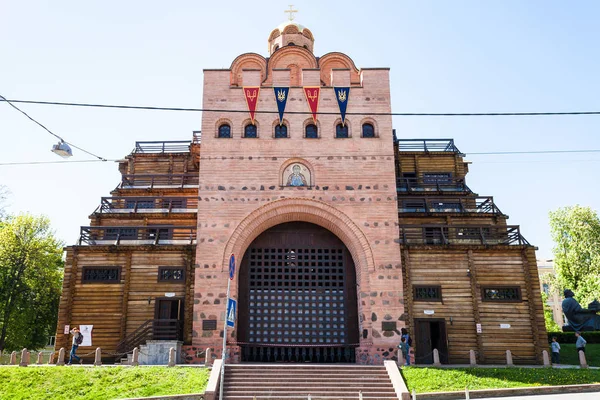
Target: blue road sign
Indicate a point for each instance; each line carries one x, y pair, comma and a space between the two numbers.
231, 267
231, 306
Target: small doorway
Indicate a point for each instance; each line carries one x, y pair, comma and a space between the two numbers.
430, 334
168, 324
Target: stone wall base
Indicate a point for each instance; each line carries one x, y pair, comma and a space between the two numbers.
156, 352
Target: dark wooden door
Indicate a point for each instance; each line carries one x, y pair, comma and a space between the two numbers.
168, 319
298, 297
430, 334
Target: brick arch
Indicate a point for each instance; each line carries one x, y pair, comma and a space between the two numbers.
306, 210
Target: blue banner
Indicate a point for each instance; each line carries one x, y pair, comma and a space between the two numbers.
342, 94
281, 98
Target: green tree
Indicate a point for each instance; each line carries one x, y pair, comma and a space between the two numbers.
31, 270
576, 235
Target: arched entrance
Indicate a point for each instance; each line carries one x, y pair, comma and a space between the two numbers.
297, 297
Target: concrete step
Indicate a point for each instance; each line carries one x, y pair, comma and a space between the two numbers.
315, 395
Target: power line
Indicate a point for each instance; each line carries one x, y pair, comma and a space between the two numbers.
54, 162
534, 152
345, 157
494, 114
10, 102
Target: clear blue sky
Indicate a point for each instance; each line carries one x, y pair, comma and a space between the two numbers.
445, 56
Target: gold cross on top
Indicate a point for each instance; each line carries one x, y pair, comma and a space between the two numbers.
291, 11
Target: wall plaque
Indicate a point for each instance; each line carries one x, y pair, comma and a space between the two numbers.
209, 324
388, 325
504, 326
479, 330
428, 312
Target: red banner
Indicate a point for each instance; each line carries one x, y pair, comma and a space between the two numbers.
251, 95
312, 97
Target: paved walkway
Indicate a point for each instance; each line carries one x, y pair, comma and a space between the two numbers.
572, 396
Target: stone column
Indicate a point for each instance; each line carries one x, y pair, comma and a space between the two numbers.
40, 358
171, 357
98, 357
509, 360
436, 358
24, 358
472, 358
207, 357
545, 358
134, 357
13, 358
582, 361
61, 356
51, 359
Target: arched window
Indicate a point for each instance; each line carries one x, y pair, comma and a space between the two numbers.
341, 131
280, 131
224, 131
250, 131
311, 132
368, 131
291, 44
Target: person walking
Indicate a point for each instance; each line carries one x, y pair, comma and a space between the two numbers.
77, 340
580, 343
555, 351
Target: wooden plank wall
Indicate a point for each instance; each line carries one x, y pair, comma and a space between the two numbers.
456, 270
434, 162
118, 309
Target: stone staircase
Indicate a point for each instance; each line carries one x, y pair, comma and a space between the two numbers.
297, 381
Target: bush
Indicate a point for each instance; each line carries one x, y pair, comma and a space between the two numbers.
569, 337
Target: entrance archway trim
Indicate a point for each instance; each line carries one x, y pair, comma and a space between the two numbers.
306, 210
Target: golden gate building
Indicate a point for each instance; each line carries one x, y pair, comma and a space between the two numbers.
343, 234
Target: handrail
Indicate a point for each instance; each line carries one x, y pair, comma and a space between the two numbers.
461, 235
478, 205
427, 145
152, 180
133, 204
414, 184
161, 147
159, 329
148, 234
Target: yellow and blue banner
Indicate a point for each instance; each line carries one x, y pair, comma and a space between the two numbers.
281, 98
342, 94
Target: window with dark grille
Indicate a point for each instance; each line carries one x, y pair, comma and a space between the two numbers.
446, 206
437, 177
341, 131
174, 203
121, 233
435, 235
368, 131
427, 293
250, 131
281, 131
101, 275
311, 132
171, 274
139, 204
414, 206
501, 293
162, 233
224, 131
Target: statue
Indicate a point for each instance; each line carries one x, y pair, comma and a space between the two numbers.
580, 319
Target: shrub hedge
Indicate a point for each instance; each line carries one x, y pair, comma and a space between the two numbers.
569, 337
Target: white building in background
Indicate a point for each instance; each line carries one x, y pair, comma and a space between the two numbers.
554, 297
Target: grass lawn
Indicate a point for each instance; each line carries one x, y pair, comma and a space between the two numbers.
442, 380
99, 383
568, 354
